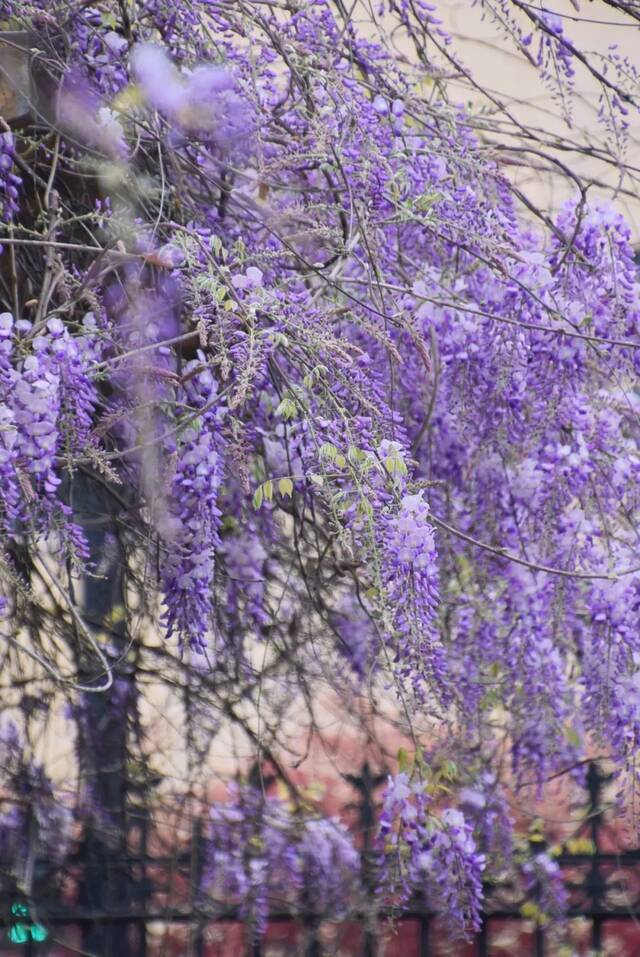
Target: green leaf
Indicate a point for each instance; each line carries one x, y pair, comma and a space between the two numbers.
365, 507
449, 771
268, 490
314, 376
580, 845
328, 451
258, 496
426, 201
287, 408
285, 487
403, 760
572, 736
531, 911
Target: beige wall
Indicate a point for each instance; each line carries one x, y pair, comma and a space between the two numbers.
499, 68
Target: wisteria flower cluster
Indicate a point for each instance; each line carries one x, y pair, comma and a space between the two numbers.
430, 855
10, 182
259, 855
190, 530
364, 425
543, 880
48, 399
33, 821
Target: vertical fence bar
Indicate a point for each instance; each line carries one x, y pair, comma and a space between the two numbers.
312, 944
483, 937
197, 860
425, 934
313, 947
596, 934
105, 887
595, 881
369, 943
365, 784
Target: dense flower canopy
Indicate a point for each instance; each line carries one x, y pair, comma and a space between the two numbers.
362, 419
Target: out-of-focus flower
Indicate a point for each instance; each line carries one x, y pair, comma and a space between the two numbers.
201, 101
83, 115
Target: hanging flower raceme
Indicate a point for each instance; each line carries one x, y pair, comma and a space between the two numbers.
260, 855
32, 819
190, 528
485, 807
48, 401
330, 869
544, 883
429, 853
10, 182
410, 576
10, 484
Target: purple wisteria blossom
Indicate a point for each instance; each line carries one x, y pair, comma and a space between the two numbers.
432, 854
259, 855
353, 425
190, 528
10, 182
203, 100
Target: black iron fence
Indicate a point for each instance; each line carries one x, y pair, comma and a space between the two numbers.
603, 885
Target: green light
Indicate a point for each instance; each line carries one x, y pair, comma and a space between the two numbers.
19, 934
20, 931
39, 933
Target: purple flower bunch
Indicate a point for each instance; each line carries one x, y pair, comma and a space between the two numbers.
485, 806
260, 855
555, 54
544, 881
48, 402
411, 580
245, 557
10, 182
190, 528
430, 854
32, 818
330, 868
203, 101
